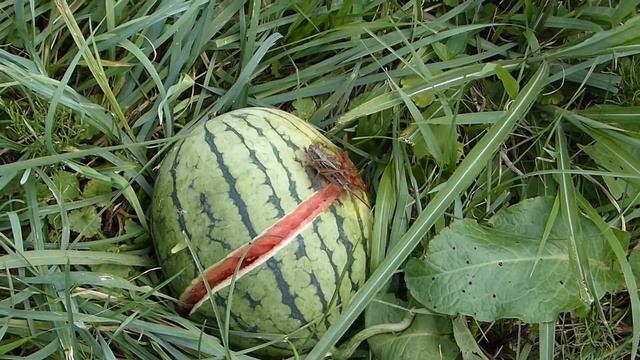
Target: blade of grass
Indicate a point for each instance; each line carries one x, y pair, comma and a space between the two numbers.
551, 220
461, 178
318, 118
21, 22
385, 203
569, 212
74, 257
468, 345
621, 256
426, 132
440, 82
97, 279
600, 42
248, 45
626, 160
78, 154
45, 352
547, 338
64, 218
106, 350
96, 115
488, 117
369, 47
33, 212
563, 22
625, 7
116, 181
404, 202
612, 113
52, 316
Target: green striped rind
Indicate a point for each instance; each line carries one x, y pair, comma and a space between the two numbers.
233, 178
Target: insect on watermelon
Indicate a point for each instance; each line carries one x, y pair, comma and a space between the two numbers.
336, 167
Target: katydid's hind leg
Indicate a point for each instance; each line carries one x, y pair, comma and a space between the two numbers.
358, 198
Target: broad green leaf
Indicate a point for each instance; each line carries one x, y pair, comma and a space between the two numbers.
446, 138
120, 271
304, 107
85, 221
422, 100
441, 50
457, 44
67, 185
485, 271
428, 337
510, 84
55, 220
132, 227
117, 181
94, 188
553, 98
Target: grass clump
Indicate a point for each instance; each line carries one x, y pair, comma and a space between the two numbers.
27, 126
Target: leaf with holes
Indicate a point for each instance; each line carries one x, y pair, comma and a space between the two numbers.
488, 271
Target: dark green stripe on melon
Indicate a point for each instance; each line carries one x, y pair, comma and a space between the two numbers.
234, 196
234, 177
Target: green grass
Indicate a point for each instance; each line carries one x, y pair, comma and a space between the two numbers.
453, 109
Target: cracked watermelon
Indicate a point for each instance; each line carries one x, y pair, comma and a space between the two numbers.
226, 187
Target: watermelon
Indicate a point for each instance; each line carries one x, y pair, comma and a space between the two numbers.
240, 190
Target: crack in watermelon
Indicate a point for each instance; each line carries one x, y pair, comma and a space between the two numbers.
260, 249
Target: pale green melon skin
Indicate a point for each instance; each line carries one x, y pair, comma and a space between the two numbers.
227, 182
